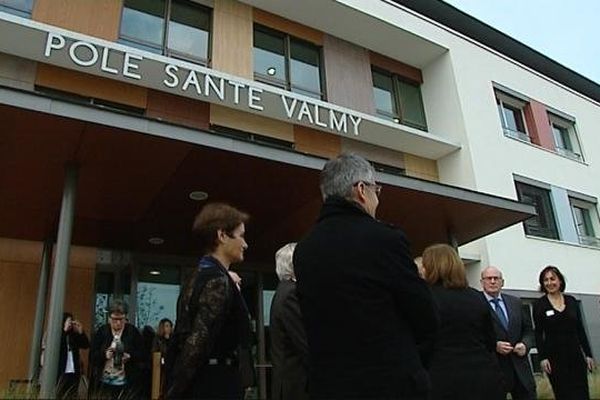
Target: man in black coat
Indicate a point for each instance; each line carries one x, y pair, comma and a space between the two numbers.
514, 335
364, 306
289, 351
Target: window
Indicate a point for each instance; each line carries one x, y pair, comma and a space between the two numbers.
585, 217
543, 224
21, 8
175, 28
534, 359
565, 137
398, 100
287, 62
512, 117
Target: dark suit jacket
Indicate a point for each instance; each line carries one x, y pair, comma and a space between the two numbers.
364, 307
519, 330
463, 365
289, 351
76, 341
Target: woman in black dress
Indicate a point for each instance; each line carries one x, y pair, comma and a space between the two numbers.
462, 363
561, 341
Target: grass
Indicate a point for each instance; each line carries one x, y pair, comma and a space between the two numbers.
544, 390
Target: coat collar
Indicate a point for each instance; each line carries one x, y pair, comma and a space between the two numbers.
336, 205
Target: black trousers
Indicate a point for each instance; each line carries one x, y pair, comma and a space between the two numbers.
218, 382
520, 392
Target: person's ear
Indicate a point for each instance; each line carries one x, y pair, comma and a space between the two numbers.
221, 235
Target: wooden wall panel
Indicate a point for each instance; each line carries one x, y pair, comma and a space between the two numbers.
397, 67
374, 153
247, 122
315, 142
538, 125
420, 167
19, 279
285, 25
99, 18
232, 38
90, 86
178, 110
348, 72
17, 72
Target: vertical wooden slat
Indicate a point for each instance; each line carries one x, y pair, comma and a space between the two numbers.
156, 376
232, 38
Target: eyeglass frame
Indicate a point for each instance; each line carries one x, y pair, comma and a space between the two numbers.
378, 187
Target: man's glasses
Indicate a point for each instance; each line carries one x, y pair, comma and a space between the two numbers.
375, 186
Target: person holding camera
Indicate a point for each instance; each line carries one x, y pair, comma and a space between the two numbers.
115, 355
72, 339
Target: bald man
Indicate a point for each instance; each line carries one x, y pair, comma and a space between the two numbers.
514, 335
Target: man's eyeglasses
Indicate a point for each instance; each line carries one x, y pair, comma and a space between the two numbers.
375, 186
492, 278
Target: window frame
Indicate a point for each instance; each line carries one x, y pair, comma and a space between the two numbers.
544, 210
17, 11
573, 150
503, 101
591, 221
398, 100
287, 55
164, 48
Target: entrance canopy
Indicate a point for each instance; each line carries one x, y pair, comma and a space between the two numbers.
134, 186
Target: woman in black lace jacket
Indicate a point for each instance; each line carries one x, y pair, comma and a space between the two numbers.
212, 330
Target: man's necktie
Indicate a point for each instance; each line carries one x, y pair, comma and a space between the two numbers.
500, 312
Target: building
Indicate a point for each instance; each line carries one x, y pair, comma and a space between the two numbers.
120, 117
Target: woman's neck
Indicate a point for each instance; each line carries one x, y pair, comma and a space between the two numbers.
555, 296
222, 259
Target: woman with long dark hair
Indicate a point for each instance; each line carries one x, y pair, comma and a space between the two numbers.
561, 340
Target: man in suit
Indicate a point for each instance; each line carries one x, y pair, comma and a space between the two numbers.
514, 335
289, 351
364, 306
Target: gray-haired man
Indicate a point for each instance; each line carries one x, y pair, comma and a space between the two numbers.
365, 308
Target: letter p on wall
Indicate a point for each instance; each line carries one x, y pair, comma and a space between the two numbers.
54, 42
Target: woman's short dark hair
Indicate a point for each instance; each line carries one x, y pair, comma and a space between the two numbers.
214, 217
118, 306
161, 326
556, 271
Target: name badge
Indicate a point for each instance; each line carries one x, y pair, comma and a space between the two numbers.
549, 313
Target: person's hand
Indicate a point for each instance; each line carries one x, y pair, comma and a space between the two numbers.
590, 363
126, 357
77, 327
503, 348
520, 349
109, 353
545, 364
236, 279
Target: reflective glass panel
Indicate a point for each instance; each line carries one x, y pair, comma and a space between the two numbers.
143, 20
304, 67
188, 30
383, 92
17, 7
269, 55
412, 105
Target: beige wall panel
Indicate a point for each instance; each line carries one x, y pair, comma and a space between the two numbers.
18, 288
19, 278
374, 153
232, 38
247, 122
17, 72
285, 25
397, 67
420, 167
315, 142
348, 75
99, 18
90, 86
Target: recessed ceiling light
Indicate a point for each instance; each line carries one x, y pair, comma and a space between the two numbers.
154, 272
271, 71
198, 195
156, 240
